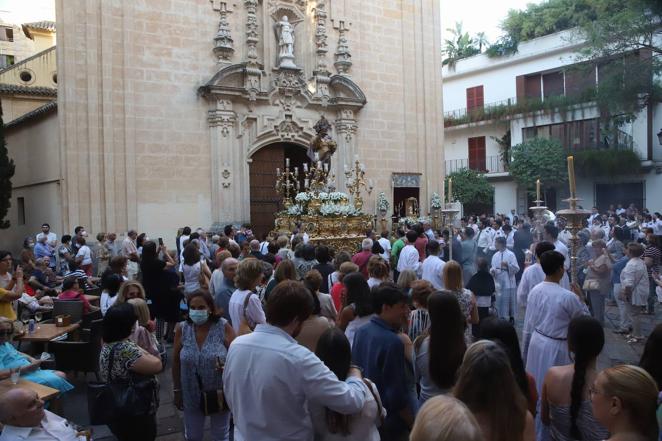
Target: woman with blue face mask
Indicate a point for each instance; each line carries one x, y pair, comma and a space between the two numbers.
200, 348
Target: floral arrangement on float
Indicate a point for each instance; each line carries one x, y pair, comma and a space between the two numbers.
333, 203
382, 203
436, 202
408, 221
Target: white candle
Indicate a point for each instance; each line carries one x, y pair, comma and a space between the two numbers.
571, 176
305, 167
345, 167
326, 167
306, 182
277, 171
296, 171
287, 162
356, 157
450, 189
317, 156
319, 164
538, 190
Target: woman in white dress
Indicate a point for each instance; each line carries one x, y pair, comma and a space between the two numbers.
334, 351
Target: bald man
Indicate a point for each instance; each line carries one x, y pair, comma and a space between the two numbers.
222, 286
24, 418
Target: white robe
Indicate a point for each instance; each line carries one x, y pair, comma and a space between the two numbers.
548, 314
545, 332
531, 277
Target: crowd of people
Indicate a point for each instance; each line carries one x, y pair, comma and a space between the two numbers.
409, 337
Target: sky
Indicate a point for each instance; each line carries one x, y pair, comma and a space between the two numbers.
478, 15
26, 11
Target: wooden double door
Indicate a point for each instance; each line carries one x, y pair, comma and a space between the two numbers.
265, 201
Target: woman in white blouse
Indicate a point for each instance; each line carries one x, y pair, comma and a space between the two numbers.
634, 288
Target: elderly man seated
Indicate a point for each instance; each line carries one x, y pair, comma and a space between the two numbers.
23, 416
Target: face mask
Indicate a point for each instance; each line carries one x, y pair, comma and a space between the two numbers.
199, 316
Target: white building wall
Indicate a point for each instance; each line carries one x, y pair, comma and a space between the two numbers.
456, 145
505, 196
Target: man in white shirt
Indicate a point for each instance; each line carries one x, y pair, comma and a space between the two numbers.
484, 239
433, 266
551, 234
504, 267
130, 251
270, 380
46, 231
409, 257
657, 224
594, 214
24, 418
564, 234
386, 246
498, 232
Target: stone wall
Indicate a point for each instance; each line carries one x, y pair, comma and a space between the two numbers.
138, 150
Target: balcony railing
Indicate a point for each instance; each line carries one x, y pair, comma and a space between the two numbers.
493, 164
510, 107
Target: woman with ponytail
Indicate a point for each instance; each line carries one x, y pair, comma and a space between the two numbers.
565, 403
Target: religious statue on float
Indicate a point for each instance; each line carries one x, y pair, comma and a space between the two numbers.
285, 36
322, 147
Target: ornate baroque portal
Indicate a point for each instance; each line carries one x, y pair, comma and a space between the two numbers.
274, 92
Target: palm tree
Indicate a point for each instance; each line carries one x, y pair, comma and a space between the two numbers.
461, 45
481, 40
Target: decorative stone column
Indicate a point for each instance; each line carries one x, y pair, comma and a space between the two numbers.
222, 129
223, 43
346, 127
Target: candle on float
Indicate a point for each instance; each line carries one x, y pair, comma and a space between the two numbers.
305, 167
306, 182
538, 190
571, 176
443, 188
287, 162
317, 156
326, 167
296, 171
356, 158
277, 171
450, 189
319, 164
345, 167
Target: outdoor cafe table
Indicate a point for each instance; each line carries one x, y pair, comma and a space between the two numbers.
44, 392
46, 332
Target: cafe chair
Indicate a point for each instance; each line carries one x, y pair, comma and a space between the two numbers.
89, 318
73, 308
79, 356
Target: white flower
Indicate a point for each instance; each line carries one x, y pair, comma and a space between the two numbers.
337, 196
302, 197
382, 202
435, 201
331, 209
295, 210
323, 196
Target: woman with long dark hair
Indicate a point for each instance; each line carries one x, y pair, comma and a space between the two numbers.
334, 351
651, 359
357, 307
487, 386
453, 282
565, 404
439, 350
503, 332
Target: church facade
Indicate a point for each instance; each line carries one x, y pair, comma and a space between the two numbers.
177, 113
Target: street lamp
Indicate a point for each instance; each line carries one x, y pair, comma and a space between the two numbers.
659, 136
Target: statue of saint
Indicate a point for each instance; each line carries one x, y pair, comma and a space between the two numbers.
322, 144
285, 33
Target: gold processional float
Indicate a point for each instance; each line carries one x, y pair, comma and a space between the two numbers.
329, 217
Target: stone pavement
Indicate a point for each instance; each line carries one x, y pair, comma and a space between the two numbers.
170, 425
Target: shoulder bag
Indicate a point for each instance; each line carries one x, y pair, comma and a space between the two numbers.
378, 400
244, 326
120, 398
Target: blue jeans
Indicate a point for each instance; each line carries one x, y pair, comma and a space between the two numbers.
194, 425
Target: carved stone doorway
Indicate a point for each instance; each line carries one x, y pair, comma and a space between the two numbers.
265, 202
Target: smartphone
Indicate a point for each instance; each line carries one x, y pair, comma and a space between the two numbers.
160, 241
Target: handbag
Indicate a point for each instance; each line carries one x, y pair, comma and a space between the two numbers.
591, 285
244, 327
380, 414
120, 398
211, 401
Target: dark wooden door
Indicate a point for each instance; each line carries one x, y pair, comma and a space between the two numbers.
264, 199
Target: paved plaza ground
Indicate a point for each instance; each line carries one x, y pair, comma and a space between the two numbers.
170, 424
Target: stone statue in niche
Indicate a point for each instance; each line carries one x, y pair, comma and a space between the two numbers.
322, 145
285, 35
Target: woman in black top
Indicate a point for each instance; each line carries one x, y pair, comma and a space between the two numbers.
161, 287
324, 267
482, 285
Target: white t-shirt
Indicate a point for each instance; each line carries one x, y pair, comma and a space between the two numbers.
86, 254
386, 244
106, 301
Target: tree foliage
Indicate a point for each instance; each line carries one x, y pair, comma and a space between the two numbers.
539, 158
607, 162
461, 45
7, 169
471, 187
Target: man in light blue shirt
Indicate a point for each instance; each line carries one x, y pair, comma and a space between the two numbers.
269, 379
